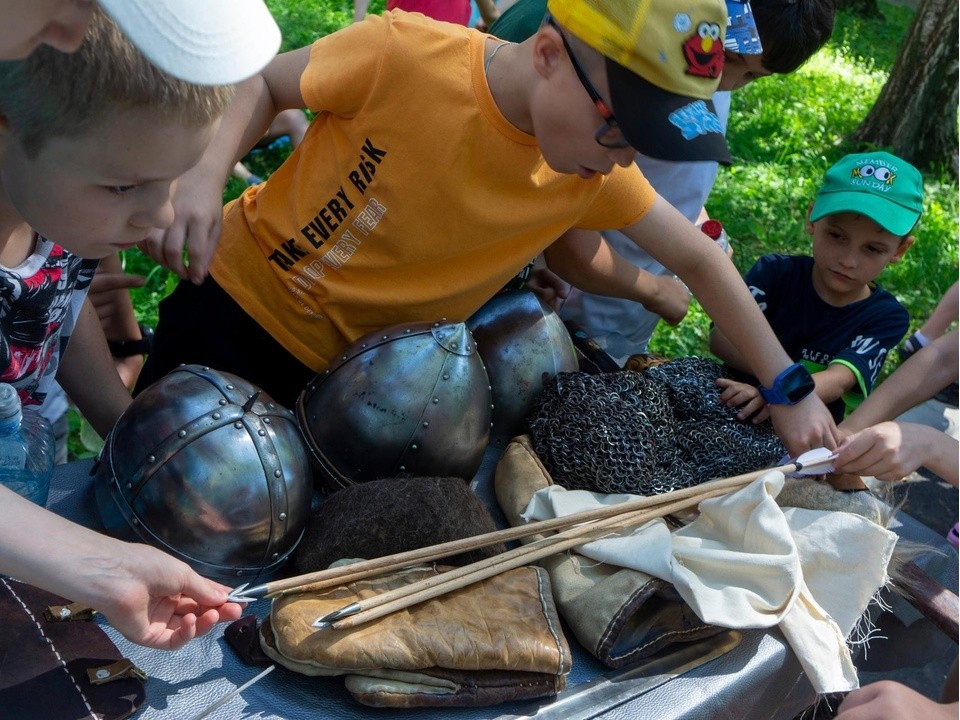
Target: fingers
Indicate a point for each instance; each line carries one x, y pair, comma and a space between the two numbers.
107, 282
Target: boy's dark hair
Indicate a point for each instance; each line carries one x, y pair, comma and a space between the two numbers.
792, 30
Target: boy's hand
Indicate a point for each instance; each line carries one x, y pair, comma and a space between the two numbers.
549, 287
198, 208
808, 425
746, 397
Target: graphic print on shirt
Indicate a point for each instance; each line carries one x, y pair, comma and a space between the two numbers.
326, 232
33, 309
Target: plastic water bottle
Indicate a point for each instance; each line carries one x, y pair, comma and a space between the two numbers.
713, 229
26, 448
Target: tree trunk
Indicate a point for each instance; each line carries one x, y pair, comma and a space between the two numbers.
916, 112
867, 8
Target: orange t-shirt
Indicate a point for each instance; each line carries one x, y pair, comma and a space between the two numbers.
411, 198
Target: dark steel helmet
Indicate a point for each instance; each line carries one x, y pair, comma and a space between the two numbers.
210, 469
408, 400
522, 342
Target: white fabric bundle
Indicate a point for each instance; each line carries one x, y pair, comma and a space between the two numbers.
745, 562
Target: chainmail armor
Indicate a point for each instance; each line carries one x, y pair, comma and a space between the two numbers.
646, 432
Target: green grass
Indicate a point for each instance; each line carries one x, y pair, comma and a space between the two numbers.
784, 133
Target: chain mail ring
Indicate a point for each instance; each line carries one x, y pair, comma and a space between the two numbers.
646, 432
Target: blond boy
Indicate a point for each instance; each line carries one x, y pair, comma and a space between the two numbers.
94, 143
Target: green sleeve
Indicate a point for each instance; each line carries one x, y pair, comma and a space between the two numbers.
520, 21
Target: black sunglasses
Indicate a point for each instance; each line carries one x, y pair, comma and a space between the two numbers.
609, 135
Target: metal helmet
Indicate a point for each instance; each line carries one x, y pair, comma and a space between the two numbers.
523, 343
207, 467
409, 400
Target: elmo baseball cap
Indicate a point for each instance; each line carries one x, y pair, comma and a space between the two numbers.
664, 61
878, 185
206, 42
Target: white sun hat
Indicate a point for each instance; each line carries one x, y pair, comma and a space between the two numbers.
207, 42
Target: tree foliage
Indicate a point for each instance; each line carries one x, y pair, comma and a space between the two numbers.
916, 112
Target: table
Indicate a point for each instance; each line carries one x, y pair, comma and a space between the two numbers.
759, 678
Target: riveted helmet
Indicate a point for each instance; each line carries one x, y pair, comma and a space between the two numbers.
523, 343
409, 400
207, 467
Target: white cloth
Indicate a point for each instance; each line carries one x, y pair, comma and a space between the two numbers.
747, 563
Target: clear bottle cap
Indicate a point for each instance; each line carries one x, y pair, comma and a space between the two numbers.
9, 402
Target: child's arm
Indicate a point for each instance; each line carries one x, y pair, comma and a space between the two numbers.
727, 351
932, 368
589, 263
150, 597
88, 375
715, 282
829, 385
890, 451
198, 199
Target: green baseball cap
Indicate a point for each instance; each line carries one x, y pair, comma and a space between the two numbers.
881, 186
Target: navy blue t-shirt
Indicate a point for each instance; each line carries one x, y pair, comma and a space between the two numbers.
858, 335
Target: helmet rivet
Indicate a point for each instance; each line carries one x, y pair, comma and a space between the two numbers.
408, 330
277, 473
426, 424
261, 432
275, 556
216, 416
446, 376
343, 357
403, 468
151, 458
436, 400
414, 447
455, 345
230, 387
238, 425
129, 486
182, 433
363, 346
283, 516
222, 401
386, 337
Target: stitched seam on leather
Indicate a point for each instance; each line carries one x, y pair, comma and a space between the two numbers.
671, 636
53, 648
616, 622
541, 574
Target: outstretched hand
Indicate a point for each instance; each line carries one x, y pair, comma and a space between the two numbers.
746, 397
805, 426
158, 601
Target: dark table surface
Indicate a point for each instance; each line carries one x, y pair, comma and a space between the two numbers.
759, 678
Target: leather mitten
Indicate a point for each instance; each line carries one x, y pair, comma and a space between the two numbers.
495, 640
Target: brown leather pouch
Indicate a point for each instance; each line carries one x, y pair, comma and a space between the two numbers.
493, 641
59, 668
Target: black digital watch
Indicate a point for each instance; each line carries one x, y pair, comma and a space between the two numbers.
789, 387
